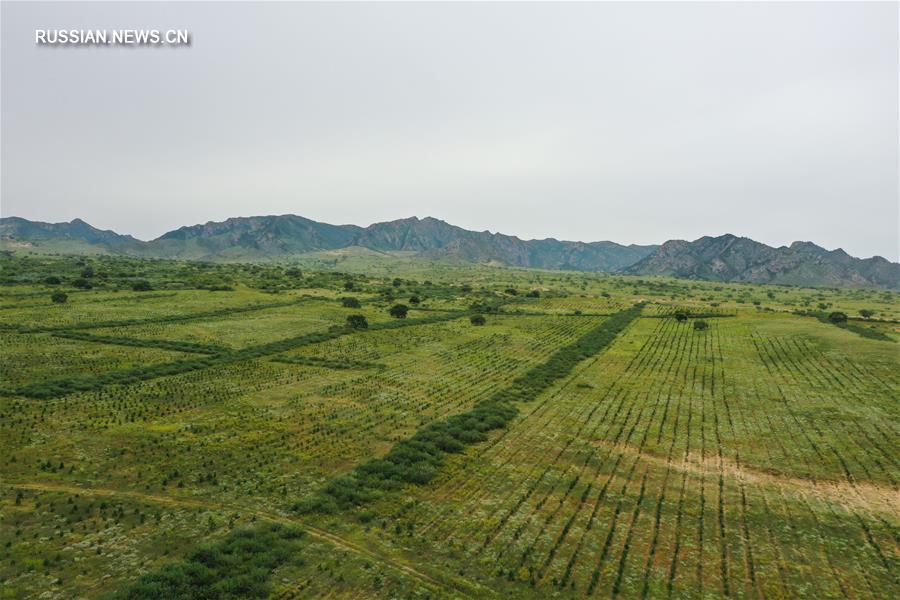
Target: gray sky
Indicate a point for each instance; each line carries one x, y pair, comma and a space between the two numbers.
634, 123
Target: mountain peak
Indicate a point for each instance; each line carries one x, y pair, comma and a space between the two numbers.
730, 258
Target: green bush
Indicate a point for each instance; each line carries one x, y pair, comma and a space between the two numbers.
238, 566
399, 311
357, 322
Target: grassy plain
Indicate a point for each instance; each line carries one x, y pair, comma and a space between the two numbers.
754, 458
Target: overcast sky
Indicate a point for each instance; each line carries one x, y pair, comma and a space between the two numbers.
635, 123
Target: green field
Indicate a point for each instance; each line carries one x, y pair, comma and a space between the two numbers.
226, 434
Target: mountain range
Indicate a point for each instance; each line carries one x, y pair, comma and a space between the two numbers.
723, 258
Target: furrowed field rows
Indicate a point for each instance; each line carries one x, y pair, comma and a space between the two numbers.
405, 395
318, 430
257, 327
31, 358
60, 387
645, 491
88, 317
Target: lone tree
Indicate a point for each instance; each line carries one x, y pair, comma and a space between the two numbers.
357, 322
701, 325
141, 286
837, 317
53, 280
865, 313
82, 284
681, 316
397, 282
348, 302
477, 320
59, 297
414, 299
398, 311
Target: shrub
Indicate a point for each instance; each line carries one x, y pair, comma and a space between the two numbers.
512, 291
141, 286
348, 302
238, 566
357, 322
837, 317
477, 320
82, 284
533, 294
399, 311
59, 297
53, 280
865, 313
681, 316
414, 299
701, 325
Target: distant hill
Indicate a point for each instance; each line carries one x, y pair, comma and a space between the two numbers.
252, 238
723, 258
276, 237
732, 258
436, 239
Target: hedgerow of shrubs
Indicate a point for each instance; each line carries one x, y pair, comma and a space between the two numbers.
177, 346
314, 361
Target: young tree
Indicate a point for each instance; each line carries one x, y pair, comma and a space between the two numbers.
398, 311
59, 297
357, 322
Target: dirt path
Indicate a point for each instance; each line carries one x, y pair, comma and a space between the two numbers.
857, 496
451, 589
